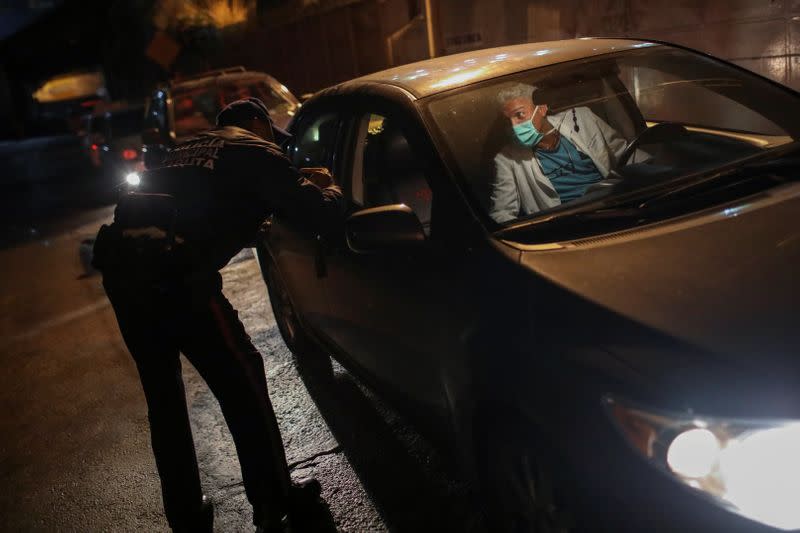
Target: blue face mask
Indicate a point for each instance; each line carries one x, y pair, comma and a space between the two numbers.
527, 133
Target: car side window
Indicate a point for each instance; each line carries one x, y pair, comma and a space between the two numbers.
387, 171
314, 143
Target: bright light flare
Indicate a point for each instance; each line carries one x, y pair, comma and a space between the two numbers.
751, 467
761, 472
133, 179
693, 453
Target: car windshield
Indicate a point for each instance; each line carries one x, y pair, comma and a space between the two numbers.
196, 107
576, 132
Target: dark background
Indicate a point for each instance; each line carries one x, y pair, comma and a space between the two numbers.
310, 44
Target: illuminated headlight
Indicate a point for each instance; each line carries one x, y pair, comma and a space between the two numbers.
749, 467
133, 179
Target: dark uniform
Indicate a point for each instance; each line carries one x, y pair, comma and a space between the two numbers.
160, 261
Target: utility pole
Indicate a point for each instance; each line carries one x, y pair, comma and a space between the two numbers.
434, 30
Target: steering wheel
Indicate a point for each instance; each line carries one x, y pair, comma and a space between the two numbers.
663, 131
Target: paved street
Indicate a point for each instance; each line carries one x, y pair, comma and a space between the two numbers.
75, 452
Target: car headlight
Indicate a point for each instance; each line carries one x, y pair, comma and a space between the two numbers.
749, 467
133, 179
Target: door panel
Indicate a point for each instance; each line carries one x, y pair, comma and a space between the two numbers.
296, 252
386, 308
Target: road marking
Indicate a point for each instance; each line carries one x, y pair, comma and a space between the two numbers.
58, 321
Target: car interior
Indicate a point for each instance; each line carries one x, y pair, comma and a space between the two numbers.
392, 174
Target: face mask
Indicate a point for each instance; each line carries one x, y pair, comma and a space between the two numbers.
527, 133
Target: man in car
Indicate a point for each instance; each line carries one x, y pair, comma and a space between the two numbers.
160, 261
553, 159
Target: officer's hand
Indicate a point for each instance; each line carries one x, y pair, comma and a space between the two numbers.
319, 176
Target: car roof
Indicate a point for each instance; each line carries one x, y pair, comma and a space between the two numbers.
220, 78
432, 76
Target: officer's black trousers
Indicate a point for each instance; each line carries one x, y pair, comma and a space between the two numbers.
157, 322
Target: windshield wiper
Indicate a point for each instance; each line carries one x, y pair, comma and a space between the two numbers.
681, 194
607, 219
772, 166
752, 177
699, 193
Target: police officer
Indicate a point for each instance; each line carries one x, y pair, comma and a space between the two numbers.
160, 261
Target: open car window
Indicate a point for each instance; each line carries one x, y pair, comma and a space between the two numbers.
387, 171
613, 122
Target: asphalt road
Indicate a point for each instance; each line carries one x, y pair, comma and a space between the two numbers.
75, 454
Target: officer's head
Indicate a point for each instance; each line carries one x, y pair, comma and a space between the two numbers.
252, 115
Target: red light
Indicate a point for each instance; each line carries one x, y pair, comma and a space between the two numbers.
129, 154
94, 147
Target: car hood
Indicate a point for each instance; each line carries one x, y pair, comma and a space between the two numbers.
724, 282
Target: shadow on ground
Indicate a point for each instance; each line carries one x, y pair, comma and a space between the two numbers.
411, 483
37, 210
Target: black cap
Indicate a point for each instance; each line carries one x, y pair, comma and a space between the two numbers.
241, 112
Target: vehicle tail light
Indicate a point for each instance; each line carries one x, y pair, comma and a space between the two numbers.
94, 147
129, 154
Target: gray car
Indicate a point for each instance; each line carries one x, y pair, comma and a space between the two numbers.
605, 336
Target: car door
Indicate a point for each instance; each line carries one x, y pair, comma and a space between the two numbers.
389, 310
294, 250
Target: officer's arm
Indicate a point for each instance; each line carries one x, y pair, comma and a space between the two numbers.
298, 199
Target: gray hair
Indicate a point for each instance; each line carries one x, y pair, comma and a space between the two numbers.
516, 90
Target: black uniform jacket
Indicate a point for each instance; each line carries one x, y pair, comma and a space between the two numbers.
224, 183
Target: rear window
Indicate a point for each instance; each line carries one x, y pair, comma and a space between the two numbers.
196, 108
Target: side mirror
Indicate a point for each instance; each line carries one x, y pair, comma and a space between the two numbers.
385, 228
152, 136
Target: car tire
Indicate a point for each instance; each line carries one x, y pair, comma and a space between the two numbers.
309, 357
518, 490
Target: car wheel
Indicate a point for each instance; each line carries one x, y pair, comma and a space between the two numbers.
308, 356
519, 492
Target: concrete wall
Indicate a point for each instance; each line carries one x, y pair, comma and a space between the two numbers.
409, 43
312, 49
761, 35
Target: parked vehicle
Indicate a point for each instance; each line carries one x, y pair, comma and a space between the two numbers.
624, 361
190, 105
61, 101
114, 142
